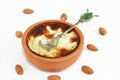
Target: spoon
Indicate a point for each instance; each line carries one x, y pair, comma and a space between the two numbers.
52, 43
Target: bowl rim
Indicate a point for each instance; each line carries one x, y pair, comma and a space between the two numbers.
74, 53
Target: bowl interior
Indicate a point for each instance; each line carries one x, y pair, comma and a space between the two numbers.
40, 29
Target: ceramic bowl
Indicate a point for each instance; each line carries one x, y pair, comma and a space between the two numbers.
52, 64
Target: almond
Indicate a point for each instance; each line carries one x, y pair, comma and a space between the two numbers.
19, 69
92, 47
63, 17
102, 31
19, 34
87, 69
28, 11
54, 77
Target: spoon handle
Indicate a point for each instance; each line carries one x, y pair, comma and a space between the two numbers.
87, 16
73, 26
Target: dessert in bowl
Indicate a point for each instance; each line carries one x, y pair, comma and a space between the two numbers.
66, 52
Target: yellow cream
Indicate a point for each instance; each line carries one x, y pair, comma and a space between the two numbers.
65, 45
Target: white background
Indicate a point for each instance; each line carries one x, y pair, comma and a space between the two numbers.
105, 62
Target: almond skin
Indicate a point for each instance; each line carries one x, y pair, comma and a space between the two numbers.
92, 47
87, 69
54, 77
63, 17
19, 34
102, 31
28, 11
19, 69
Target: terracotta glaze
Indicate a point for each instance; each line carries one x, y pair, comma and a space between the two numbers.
52, 64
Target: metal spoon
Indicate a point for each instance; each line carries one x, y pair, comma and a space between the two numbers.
52, 43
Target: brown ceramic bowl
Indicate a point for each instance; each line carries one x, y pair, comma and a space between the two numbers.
52, 64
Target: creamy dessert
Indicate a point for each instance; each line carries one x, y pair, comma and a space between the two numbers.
65, 46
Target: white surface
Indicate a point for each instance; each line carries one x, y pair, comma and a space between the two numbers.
105, 62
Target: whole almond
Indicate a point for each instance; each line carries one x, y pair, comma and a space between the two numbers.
102, 31
54, 77
28, 11
18, 34
19, 69
63, 17
92, 47
87, 69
